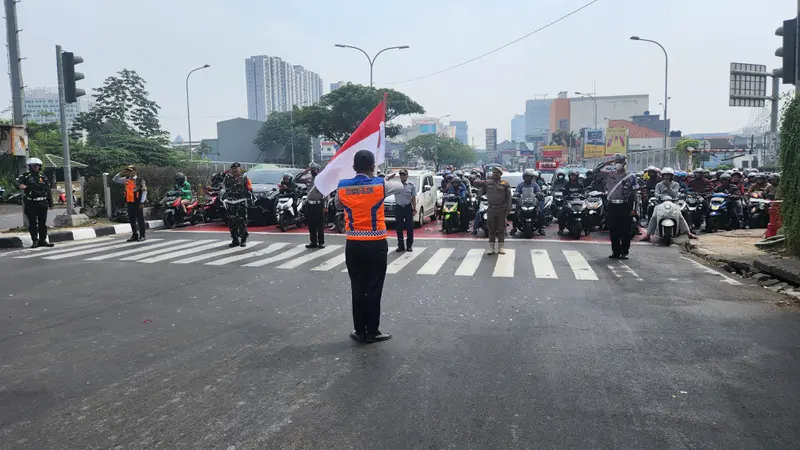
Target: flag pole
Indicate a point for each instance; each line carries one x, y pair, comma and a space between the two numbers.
385, 156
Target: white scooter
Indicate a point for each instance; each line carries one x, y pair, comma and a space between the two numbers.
667, 215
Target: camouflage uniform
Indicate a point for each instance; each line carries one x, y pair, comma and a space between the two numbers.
236, 188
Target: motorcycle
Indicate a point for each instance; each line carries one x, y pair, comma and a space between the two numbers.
758, 206
451, 213
636, 217
548, 210
596, 210
694, 205
173, 213
214, 208
667, 214
718, 216
335, 217
15, 198
285, 211
528, 218
558, 203
483, 214
576, 216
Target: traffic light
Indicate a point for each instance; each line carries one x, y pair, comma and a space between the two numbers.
789, 50
68, 62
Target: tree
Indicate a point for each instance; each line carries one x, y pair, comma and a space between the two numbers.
276, 136
122, 106
440, 150
340, 112
564, 138
789, 162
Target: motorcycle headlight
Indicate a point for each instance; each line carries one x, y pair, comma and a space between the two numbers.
594, 205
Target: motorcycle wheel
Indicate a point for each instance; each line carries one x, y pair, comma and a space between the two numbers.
667, 238
283, 222
527, 230
485, 232
207, 218
340, 224
169, 221
195, 219
575, 231
711, 225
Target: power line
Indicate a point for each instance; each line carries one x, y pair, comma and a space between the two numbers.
501, 47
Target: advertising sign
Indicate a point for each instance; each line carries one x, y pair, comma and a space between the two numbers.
13, 140
552, 151
594, 144
616, 140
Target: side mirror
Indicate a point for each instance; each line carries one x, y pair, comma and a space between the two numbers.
426, 188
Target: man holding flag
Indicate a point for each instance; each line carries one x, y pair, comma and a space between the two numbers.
351, 172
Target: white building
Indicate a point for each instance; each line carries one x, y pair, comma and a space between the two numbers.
617, 107
275, 85
337, 85
41, 106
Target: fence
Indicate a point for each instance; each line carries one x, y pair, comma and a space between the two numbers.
638, 160
218, 166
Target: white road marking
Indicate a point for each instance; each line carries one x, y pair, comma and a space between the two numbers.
436, 261
619, 269
310, 257
138, 249
331, 263
580, 267
504, 267
470, 263
279, 257
227, 251
33, 253
403, 260
542, 266
71, 245
167, 250
91, 250
188, 251
725, 278
264, 251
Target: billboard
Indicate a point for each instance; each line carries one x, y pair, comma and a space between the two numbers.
491, 142
552, 151
616, 140
594, 143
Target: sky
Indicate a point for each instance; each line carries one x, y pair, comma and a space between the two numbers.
163, 40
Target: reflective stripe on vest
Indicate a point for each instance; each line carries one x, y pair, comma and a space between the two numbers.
362, 199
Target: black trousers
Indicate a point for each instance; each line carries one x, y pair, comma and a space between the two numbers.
619, 227
316, 223
136, 218
36, 212
404, 220
366, 265
237, 221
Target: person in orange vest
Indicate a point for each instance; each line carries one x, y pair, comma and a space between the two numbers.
135, 195
366, 250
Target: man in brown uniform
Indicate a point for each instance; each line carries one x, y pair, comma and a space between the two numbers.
498, 193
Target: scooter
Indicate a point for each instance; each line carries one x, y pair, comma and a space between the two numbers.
694, 204
483, 214
576, 216
527, 219
214, 208
173, 213
335, 217
548, 210
558, 203
667, 215
758, 206
718, 216
451, 213
596, 210
285, 211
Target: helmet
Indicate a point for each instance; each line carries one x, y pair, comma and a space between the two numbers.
752, 170
459, 173
536, 174
620, 158
651, 169
760, 178
775, 177
706, 172
589, 173
314, 166
456, 181
682, 174
180, 177
735, 170
447, 172
698, 171
287, 175
560, 174
729, 172
449, 177
529, 173
668, 171
751, 175
725, 176
33, 161
573, 172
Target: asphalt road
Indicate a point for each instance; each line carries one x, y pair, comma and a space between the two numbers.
114, 345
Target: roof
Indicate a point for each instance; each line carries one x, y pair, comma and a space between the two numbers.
635, 131
57, 162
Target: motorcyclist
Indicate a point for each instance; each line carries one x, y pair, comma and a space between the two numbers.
667, 187
185, 190
771, 190
457, 187
448, 177
573, 186
750, 180
759, 183
560, 181
681, 175
653, 179
700, 184
529, 182
537, 177
288, 187
734, 191
587, 182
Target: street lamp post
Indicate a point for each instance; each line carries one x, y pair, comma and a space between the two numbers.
666, 76
595, 106
188, 111
372, 60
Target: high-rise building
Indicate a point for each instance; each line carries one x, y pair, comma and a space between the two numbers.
41, 106
537, 120
337, 85
491, 143
518, 128
461, 130
276, 85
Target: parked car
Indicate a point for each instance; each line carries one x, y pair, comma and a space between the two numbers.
426, 197
265, 190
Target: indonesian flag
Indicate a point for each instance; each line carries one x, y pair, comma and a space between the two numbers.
370, 135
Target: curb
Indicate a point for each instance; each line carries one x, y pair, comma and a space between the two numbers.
77, 234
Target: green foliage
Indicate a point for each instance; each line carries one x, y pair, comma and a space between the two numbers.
279, 135
440, 150
340, 112
564, 138
684, 144
789, 161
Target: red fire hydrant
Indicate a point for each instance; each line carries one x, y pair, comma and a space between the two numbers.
775, 222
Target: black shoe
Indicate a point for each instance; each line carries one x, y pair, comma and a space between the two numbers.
513, 231
377, 337
561, 232
235, 243
243, 243
409, 249
400, 250
142, 239
133, 238
312, 245
474, 232
321, 246
358, 337
35, 244
614, 256
623, 256
45, 244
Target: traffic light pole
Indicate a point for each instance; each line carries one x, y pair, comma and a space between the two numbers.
62, 111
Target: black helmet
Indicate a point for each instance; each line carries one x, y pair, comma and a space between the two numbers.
180, 177
589, 173
449, 177
287, 176
456, 181
759, 176
620, 158
775, 177
725, 176
459, 173
561, 175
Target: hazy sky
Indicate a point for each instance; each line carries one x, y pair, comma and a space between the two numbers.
162, 40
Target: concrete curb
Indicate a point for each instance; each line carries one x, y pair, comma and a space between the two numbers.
76, 234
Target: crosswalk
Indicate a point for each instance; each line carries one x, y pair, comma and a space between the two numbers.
425, 262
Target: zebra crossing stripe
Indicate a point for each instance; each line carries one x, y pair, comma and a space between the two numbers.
616, 270
150, 254
211, 255
504, 267
470, 263
403, 260
542, 265
279, 257
188, 251
309, 257
140, 249
91, 250
436, 261
580, 267
33, 253
264, 251
331, 263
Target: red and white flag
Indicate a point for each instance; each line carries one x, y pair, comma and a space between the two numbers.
370, 135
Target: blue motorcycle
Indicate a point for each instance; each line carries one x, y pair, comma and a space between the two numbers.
718, 214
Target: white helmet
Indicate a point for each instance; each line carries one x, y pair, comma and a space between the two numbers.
667, 171
529, 173
33, 161
536, 174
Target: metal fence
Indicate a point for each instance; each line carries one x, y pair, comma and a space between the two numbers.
638, 160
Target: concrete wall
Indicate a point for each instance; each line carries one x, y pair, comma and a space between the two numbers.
645, 143
559, 114
581, 110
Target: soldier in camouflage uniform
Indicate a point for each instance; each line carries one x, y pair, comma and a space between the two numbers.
237, 197
38, 199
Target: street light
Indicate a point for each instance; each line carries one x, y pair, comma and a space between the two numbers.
595, 106
372, 60
188, 111
666, 75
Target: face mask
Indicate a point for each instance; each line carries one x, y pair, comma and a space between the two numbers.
619, 166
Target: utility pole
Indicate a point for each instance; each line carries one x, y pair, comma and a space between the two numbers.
14, 62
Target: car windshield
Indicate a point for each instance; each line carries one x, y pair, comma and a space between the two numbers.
265, 176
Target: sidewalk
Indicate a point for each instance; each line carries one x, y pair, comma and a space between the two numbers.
22, 239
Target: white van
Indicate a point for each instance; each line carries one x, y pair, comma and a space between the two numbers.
426, 196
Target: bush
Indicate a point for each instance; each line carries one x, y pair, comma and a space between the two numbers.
789, 162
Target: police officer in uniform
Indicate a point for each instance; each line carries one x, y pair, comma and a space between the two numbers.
38, 199
405, 210
135, 197
315, 208
498, 194
237, 187
622, 187
366, 250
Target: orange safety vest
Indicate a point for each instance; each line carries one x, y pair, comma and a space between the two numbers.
362, 199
